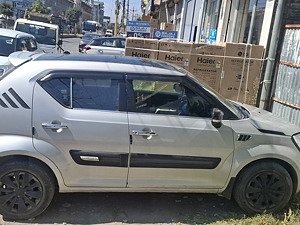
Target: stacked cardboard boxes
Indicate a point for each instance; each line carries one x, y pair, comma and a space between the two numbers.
177, 53
146, 18
231, 69
141, 48
154, 26
206, 63
167, 26
241, 70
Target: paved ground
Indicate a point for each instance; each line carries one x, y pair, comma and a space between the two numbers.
71, 45
133, 208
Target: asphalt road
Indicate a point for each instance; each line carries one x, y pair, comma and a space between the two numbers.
71, 45
134, 208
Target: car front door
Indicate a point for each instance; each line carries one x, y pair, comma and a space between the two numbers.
174, 144
80, 123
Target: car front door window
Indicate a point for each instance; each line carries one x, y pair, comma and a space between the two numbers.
173, 98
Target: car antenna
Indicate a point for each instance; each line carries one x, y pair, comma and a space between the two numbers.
64, 52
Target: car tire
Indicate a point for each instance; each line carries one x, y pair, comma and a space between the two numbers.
26, 189
263, 187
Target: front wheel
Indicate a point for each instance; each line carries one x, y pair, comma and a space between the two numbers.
26, 189
263, 187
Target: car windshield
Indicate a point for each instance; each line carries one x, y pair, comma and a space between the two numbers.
7, 45
43, 35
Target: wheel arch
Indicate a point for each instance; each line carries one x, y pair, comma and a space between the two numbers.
34, 160
227, 193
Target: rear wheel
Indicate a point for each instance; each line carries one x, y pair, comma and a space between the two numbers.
26, 189
263, 187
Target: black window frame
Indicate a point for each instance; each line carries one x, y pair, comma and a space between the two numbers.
89, 75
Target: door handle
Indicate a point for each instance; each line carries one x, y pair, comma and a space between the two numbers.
57, 127
144, 133
100, 51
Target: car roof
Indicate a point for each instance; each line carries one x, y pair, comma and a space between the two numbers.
111, 59
90, 34
114, 38
13, 33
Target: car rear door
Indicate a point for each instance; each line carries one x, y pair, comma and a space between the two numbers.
80, 123
174, 144
109, 46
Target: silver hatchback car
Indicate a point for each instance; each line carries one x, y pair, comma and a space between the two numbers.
88, 123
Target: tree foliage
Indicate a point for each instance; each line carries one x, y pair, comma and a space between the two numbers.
6, 9
38, 7
73, 15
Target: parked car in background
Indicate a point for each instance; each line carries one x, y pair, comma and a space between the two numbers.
12, 41
86, 38
106, 46
135, 125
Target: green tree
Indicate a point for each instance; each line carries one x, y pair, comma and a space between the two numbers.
38, 7
73, 15
6, 9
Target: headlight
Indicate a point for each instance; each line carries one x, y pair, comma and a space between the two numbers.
296, 140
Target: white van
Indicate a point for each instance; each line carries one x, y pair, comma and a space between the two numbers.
46, 34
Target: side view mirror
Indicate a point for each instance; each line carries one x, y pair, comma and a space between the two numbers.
217, 117
60, 42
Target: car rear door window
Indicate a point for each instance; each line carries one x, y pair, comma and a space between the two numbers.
123, 42
95, 93
85, 93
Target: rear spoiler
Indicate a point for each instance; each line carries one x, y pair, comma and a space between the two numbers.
19, 58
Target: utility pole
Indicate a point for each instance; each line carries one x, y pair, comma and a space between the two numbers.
127, 16
133, 10
117, 15
123, 17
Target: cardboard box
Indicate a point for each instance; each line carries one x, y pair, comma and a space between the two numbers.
206, 63
154, 22
141, 48
242, 68
146, 18
179, 59
157, 2
167, 26
177, 53
147, 54
174, 46
142, 43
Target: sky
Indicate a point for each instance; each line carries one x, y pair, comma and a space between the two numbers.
110, 6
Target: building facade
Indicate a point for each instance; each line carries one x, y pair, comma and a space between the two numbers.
57, 7
98, 12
